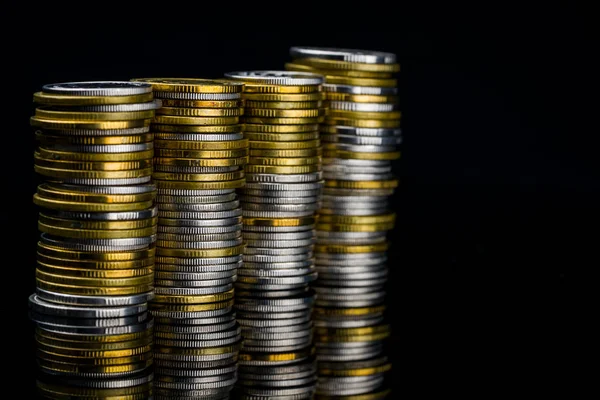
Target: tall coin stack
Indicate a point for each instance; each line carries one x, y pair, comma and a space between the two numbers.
279, 202
197, 167
95, 258
360, 135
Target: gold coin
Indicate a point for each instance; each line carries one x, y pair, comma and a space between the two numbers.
98, 225
283, 105
52, 99
390, 155
275, 357
200, 185
199, 162
365, 115
201, 253
46, 123
283, 121
184, 299
286, 153
361, 98
49, 355
64, 205
71, 174
363, 123
49, 192
91, 166
45, 139
59, 252
81, 369
276, 113
315, 96
198, 145
94, 157
204, 177
380, 369
177, 120
362, 184
197, 128
47, 113
281, 137
277, 169
346, 65
93, 290
266, 88
367, 330
358, 219
346, 339
203, 103
360, 311
80, 282
93, 273
285, 161
67, 337
263, 128
203, 351
191, 307
79, 233
279, 221
201, 154
355, 227
305, 144
55, 262
192, 85
341, 248
200, 112
337, 72
368, 396
346, 80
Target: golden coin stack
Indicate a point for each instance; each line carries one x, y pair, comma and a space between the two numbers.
199, 155
279, 202
95, 258
360, 135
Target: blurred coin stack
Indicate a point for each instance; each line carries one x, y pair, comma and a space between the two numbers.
279, 202
199, 154
95, 258
360, 135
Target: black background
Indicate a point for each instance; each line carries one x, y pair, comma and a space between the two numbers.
499, 180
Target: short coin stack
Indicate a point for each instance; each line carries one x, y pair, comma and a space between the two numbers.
197, 167
279, 202
360, 135
95, 259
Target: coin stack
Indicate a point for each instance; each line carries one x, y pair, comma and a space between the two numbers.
360, 135
197, 167
95, 258
279, 202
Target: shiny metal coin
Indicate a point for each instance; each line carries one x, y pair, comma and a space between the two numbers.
163, 198
279, 266
173, 325
94, 301
41, 306
208, 230
194, 284
262, 258
295, 194
195, 222
180, 291
279, 200
200, 269
204, 208
287, 178
256, 323
197, 261
285, 187
276, 229
277, 252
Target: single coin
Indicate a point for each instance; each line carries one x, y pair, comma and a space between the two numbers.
343, 55
283, 120
200, 112
281, 137
52, 114
299, 66
196, 96
50, 123
192, 85
271, 77
99, 301
59, 99
210, 104
201, 145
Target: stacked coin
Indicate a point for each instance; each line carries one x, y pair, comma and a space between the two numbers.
95, 259
360, 135
279, 202
197, 167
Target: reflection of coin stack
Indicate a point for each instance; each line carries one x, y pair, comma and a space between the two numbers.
197, 166
94, 272
360, 136
279, 201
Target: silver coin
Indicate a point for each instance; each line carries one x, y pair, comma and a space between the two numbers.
363, 257
268, 287
162, 198
292, 258
342, 169
212, 324
181, 394
342, 263
110, 383
197, 343
257, 336
348, 55
195, 383
354, 272
89, 375
184, 291
279, 200
124, 242
277, 252
294, 194
189, 222
276, 383
39, 305
98, 88
351, 235
206, 367
194, 192
350, 89
365, 148
274, 186
284, 315
346, 389
261, 363
91, 301
108, 182
158, 167
137, 189
197, 261
331, 383
334, 297
193, 231
198, 238
199, 269
194, 332
89, 247
354, 163
264, 323
95, 132
361, 192
277, 214
355, 211
279, 266
367, 107
229, 357
343, 291
93, 322
196, 373
97, 330
350, 200
272, 77
370, 132
280, 207
280, 243
287, 178
358, 177
177, 276
106, 216
196, 96
248, 273
199, 215
100, 148
369, 141
357, 204
220, 244
346, 357
278, 229
194, 284
234, 330
351, 283
189, 315
301, 302
289, 280
271, 330
273, 392
202, 137
279, 376
350, 303
331, 347
350, 323
374, 362
210, 207
272, 294
149, 105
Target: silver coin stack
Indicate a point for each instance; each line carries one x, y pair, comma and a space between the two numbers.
279, 202
198, 164
360, 135
95, 259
